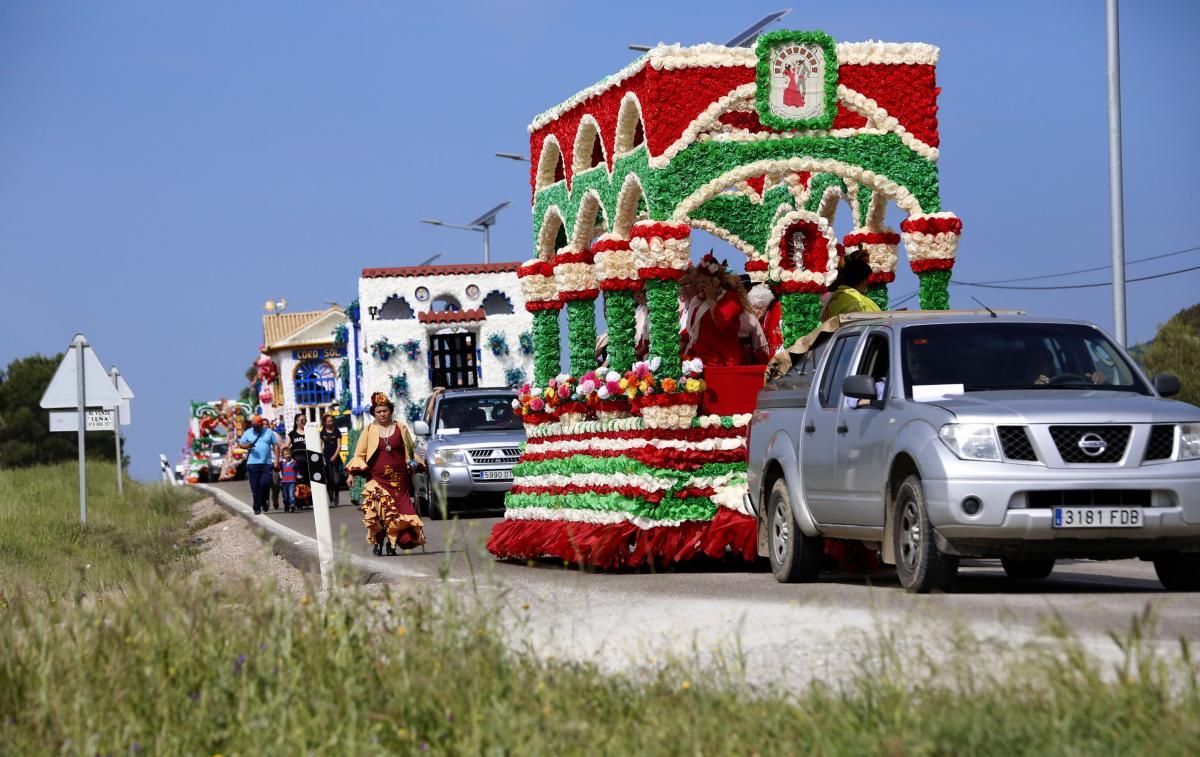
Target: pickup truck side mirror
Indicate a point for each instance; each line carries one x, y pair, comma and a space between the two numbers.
859, 387
1166, 384
420, 428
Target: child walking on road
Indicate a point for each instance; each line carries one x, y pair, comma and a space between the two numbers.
287, 480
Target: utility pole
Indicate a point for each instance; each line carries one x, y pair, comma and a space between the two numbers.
1116, 199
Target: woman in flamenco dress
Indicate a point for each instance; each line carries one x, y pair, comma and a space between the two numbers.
382, 454
716, 318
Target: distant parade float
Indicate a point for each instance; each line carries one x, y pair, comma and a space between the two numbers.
212, 452
642, 460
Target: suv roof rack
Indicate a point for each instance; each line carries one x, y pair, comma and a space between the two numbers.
901, 314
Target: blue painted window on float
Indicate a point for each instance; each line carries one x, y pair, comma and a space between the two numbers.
316, 383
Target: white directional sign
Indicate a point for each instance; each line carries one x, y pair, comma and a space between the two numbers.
68, 420
126, 394
63, 391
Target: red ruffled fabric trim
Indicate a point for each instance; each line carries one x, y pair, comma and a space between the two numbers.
620, 285
572, 407
661, 230
660, 273
670, 459
582, 294
756, 265
612, 546
536, 268
882, 278
932, 225
871, 237
537, 305
537, 419
797, 287
607, 245
666, 399
577, 256
933, 264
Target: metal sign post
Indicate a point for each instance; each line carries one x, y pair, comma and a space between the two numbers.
320, 499
78, 344
122, 419
79, 380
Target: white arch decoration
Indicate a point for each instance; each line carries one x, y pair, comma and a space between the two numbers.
548, 163
586, 135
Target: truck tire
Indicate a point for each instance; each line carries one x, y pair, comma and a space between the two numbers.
1027, 570
919, 565
795, 557
1178, 571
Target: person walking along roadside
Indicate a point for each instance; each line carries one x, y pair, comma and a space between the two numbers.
295, 439
382, 454
263, 446
331, 449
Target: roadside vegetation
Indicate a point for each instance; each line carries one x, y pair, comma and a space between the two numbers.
44, 550
163, 663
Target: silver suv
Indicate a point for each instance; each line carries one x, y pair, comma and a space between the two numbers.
936, 436
469, 441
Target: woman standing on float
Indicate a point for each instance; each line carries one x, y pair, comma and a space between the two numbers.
382, 454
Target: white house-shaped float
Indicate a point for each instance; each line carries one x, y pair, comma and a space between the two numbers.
442, 326
303, 348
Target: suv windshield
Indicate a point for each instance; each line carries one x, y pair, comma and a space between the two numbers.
485, 413
994, 356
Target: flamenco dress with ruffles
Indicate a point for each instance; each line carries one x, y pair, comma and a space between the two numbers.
386, 503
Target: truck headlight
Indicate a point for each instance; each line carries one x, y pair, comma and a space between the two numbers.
1189, 441
971, 441
450, 457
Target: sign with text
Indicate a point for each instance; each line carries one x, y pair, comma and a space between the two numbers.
319, 353
97, 420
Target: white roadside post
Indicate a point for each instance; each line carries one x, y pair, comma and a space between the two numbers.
165, 466
80, 383
320, 498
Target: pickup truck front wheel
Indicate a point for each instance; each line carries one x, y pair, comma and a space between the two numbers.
795, 557
919, 564
1179, 571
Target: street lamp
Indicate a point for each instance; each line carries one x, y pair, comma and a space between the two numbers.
483, 223
745, 36
275, 306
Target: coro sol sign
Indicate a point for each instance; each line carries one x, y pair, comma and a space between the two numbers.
319, 353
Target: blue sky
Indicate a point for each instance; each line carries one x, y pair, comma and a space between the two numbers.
167, 167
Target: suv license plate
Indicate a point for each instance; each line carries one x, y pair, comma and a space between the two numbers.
1098, 517
495, 475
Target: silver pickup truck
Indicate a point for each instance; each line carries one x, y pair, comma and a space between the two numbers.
935, 436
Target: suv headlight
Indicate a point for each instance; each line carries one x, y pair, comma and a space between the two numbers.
1189, 441
971, 441
449, 457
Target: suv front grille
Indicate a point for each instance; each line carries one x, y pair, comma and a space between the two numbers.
1162, 442
1091, 444
495, 455
1014, 440
1090, 498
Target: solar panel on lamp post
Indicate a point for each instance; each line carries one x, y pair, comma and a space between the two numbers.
742, 38
482, 224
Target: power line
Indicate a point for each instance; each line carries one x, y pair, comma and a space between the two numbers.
986, 285
1089, 270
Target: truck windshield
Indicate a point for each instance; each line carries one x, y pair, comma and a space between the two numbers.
469, 414
996, 356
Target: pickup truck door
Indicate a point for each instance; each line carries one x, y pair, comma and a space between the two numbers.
864, 435
818, 449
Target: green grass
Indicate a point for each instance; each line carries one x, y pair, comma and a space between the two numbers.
164, 664
179, 668
44, 549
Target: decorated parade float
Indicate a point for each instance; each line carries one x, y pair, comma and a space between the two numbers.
212, 453
450, 326
644, 462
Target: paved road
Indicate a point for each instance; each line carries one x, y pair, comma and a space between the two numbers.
576, 613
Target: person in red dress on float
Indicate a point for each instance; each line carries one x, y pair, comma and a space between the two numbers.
717, 317
769, 314
382, 455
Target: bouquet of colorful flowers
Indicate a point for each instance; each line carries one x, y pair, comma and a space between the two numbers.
666, 402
